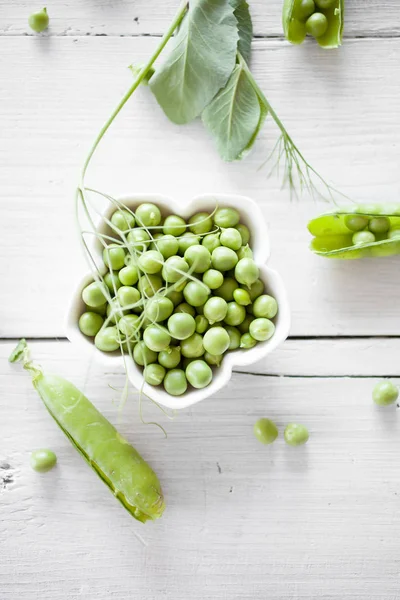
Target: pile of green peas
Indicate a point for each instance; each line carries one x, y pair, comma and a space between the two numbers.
311, 18
177, 295
369, 229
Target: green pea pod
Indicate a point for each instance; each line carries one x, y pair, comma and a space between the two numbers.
117, 463
335, 233
294, 22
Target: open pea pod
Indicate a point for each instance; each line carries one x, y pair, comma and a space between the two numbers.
357, 232
323, 19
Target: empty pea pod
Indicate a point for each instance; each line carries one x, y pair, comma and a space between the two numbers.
117, 463
357, 232
322, 19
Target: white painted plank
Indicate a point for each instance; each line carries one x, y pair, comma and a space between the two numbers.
138, 17
242, 520
60, 91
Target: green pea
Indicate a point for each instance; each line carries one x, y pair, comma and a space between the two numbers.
198, 258
304, 9
242, 297
213, 279
148, 215
214, 360
156, 338
198, 374
324, 4
296, 31
216, 340
187, 240
245, 325
168, 245
129, 297
234, 337
112, 281
385, 393
107, 339
181, 325
262, 329
95, 294
115, 311
192, 347
196, 293
201, 323
154, 374
265, 306
246, 272
363, 237
231, 238
211, 241
174, 225
394, 233
170, 357
175, 296
223, 259
151, 262
256, 289
247, 341
129, 325
43, 460
99, 310
317, 25
245, 252
114, 257
39, 21
227, 289
265, 431
244, 233
123, 220
149, 285
184, 307
174, 269
175, 382
226, 217
139, 239
215, 309
379, 225
90, 323
158, 309
295, 434
236, 314
200, 223
128, 275
142, 355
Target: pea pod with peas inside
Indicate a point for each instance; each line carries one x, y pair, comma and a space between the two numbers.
322, 19
357, 232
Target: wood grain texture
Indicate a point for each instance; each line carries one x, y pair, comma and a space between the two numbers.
316, 522
60, 90
139, 17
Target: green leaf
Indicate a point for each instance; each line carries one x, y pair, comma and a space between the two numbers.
245, 27
201, 61
235, 116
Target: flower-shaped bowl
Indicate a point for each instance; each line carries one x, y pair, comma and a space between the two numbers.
250, 215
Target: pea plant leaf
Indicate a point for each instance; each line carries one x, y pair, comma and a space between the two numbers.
245, 27
200, 63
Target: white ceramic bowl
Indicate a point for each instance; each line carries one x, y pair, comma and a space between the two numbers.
251, 216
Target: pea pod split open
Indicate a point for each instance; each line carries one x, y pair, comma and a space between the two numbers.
357, 232
323, 19
117, 463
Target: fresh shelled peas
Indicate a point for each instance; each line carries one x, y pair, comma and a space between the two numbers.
177, 295
357, 232
322, 19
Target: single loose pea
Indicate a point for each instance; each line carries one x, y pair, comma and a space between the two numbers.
265, 306
295, 434
158, 309
168, 245
265, 431
235, 314
247, 341
174, 269
156, 338
216, 340
139, 239
201, 323
246, 272
95, 294
114, 257
200, 223
107, 339
262, 329
223, 259
170, 358
231, 238
244, 233
181, 325
174, 225
245, 325
304, 9
149, 285
123, 220
129, 325
385, 393
394, 233
184, 307
175, 382
245, 252
90, 323
226, 217
198, 374
227, 289
192, 347
317, 24
324, 4
363, 237
112, 281
198, 258
214, 360
175, 296
234, 336
99, 310
256, 289
242, 297
187, 240
211, 241
128, 275
196, 293
154, 374
213, 279
379, 225
142, 355
151, 262
39, 21
215, 309
42, 460
115, 311
129, 297
148, 214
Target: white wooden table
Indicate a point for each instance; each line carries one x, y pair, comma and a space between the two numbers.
243, 521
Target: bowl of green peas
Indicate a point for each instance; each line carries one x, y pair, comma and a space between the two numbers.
180, 294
